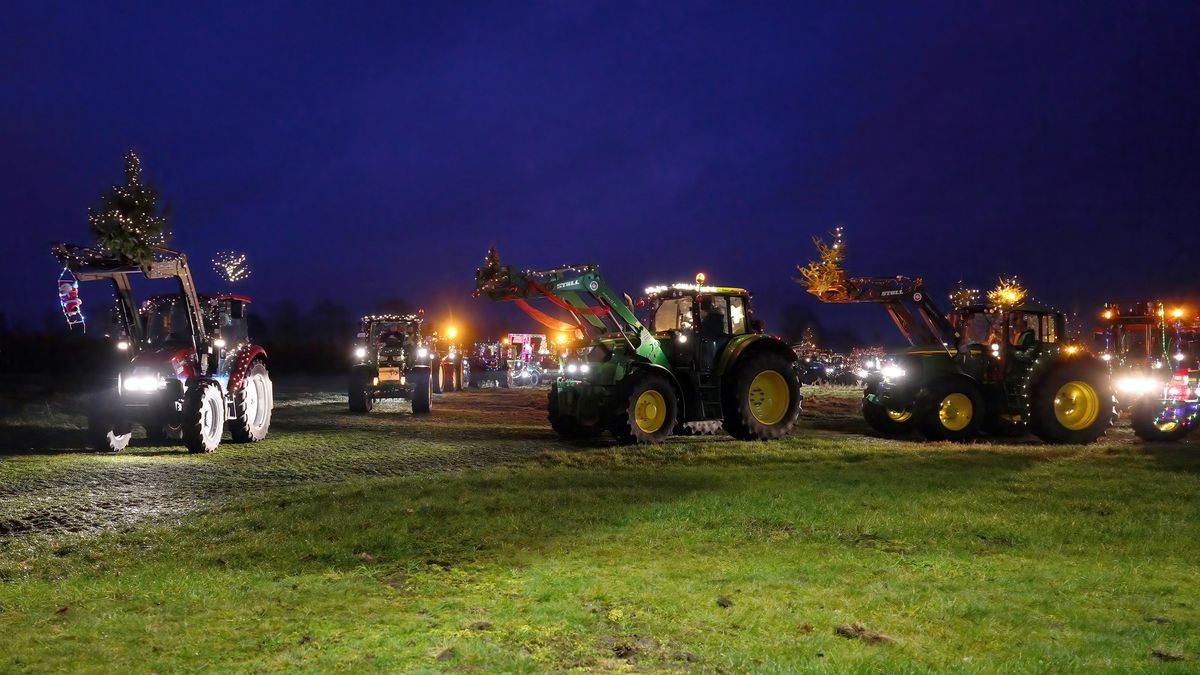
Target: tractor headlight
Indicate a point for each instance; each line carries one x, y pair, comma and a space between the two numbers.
572, 368
422, 352
143, 383
682, 338
583, 368
862, 373
1138, 385
123, 345
360, 352
893, 372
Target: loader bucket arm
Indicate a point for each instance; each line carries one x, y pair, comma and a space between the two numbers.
919, 319
596, 308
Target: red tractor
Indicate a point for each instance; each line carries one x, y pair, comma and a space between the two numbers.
188, 364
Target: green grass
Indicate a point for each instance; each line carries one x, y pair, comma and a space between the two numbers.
520, 553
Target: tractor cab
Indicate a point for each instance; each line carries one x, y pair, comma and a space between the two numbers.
995, 343
389, 339
694, 323
165, 320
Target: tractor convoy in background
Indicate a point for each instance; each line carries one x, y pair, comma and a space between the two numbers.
683, 358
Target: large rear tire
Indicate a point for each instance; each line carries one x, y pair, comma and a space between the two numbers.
106, 431
422, 388
1074, 403
253, 405
1144, 418
952, 411
887, 422
648, 411
763, 400
203, 416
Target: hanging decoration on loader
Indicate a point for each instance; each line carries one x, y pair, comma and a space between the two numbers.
127, 223
231, 266
1007, 293
69, 300
825, 278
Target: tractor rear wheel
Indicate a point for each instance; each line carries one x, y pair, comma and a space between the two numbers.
253, 405
1147, 425
359, 393
953, 411
106, 431
1073, 404
648, 410
422, 389
203, 416
564, 425
887, 422
460, 370
763, 401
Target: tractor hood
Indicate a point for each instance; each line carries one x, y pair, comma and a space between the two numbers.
165, 359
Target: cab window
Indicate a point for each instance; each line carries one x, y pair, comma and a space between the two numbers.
673, 314
737, 315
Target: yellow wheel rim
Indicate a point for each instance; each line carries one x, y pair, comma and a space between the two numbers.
1076, 405
650, 411
899, 415
1167, 425
955, 411
769, 397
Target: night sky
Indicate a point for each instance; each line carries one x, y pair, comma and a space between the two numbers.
358, 151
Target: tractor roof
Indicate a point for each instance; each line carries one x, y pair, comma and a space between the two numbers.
1025, 306
207, 297
692, 289
397, 318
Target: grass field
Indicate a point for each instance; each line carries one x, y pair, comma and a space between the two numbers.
473, 540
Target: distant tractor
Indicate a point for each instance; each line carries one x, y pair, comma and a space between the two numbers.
701, 358
189, 366
391, 360
449, 366
1144, 345
488, 363
1000, 367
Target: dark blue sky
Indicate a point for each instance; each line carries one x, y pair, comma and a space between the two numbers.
358, 151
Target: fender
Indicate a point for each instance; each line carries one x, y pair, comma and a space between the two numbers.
237, 374
743, 344
681, 395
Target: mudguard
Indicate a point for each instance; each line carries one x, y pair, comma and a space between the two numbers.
741, 345
237, 374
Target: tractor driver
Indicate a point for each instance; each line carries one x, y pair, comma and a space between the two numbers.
714, 328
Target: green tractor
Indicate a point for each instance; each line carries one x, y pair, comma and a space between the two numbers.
699, 362
1002, 367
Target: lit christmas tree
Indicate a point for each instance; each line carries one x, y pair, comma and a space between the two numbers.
127, 223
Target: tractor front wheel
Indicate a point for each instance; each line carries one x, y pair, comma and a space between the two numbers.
885, 421
763, 402
565, 426
359, 393
1073, 404
203, 416
106, 431
1148, 425
953, 411
422, 388
252, 406
436, 378
648, 411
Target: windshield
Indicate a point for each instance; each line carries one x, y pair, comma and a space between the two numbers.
673, 314
978, 329
389, 332
167, 322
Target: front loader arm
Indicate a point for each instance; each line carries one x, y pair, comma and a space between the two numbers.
597, 309
905, 300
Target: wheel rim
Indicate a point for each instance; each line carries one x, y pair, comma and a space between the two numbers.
250, 396
209, 417
899, 415
769, 397
650, 411
955, 411
1167, 426
1076, 405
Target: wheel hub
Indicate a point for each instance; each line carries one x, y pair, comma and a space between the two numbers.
769, 397
1076, 405
650, 411
955, 411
